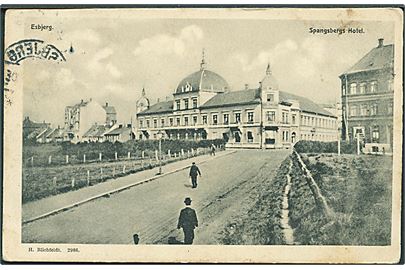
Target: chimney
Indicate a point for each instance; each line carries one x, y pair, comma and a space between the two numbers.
158, 100
106, 104
246, 86
81, 101
380, 43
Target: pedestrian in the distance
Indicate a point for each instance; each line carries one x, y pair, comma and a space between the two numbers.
213, 148
188, 221
194, 173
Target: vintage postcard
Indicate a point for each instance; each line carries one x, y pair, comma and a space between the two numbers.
234, 135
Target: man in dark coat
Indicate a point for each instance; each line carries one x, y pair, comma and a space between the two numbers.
194, 172
188, 221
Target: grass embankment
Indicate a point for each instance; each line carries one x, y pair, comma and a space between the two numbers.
261, 224
357, 188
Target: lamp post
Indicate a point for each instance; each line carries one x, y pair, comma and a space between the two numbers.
160, 135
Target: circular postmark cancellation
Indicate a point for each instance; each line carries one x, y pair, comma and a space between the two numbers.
35, 48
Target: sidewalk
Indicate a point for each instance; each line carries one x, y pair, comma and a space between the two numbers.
51, 205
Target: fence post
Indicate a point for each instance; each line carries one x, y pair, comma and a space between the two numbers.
67, 159
123, 169
84, 158
73, 182
88, 177
182, 152
142, 163
116, 156
188, 153
50, 160
168, 153
100, 156
129, 155
101, 171
156, 155
143, 154
192, 152
175, 155
32, 161
54, 181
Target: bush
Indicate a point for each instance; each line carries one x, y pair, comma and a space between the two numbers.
325, 147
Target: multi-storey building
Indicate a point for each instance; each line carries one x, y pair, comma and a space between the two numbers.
367, 99
203, 107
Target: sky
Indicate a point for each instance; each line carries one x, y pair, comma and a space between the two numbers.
114, 59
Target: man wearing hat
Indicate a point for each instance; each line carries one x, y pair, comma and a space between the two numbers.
188, 221
194, 172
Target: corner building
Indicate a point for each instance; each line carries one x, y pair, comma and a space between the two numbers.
368, 99
203, 107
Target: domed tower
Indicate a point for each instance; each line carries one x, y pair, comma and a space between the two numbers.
269, 87
142, 103
199, 86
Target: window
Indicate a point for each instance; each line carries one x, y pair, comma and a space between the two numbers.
353, 88
171, 121
391, 85
250, 136
204, 119
271, 116
177, 104
162, 122
141, 123
390, 108
147, 123
363, 110
155, 123
375, 135
374, 109
284, 116
353, 110
195, 120
343, 90
226, 119
250, 117
186, 103
373, 87
270, 97
194, 103
293, 119
215, 119
362, 88
178, 121
185, 120
237, 117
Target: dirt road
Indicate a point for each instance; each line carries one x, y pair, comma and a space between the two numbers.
151, 209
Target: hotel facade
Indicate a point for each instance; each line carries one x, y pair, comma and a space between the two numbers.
203, 107
368, 98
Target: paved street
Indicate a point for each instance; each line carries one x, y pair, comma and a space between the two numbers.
151, 209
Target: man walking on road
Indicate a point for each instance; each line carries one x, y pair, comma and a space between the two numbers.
188, 221
194, 172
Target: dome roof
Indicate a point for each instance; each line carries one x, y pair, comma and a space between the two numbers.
202, 80
269, 81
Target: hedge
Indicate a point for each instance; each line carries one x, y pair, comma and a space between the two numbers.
325, 147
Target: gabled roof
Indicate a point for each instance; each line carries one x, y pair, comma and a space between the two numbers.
377, 58
96, 131
251, 96
305, 104
160, 107
119, 131
28, 123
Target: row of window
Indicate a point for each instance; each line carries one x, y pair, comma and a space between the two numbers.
317, 122
317, 137
193, 120
186, 106
370, 109
366, 87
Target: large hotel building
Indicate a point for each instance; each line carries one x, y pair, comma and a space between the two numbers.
367, 99
203, 107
